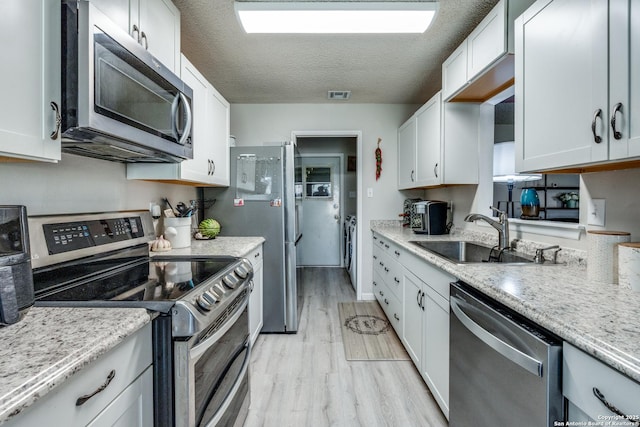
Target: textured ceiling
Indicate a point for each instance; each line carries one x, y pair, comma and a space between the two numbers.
301, 68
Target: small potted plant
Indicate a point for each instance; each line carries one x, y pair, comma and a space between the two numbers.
569, 200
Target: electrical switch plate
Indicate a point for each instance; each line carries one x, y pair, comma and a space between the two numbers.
596, 212
369, 192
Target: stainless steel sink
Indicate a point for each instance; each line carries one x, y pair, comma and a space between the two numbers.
461, 252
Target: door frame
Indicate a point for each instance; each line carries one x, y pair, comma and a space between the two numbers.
341, 201
357, 134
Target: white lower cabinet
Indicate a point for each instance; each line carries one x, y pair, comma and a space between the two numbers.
256, 319
583, 377
114, 390
426, 332
419, 313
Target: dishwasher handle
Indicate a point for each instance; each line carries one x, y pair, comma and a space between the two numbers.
516, 356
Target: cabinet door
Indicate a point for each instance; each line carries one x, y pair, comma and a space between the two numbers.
255, 300
435, 368
454, 71
428, 143
624, 80
30, 34
407, 154
124, 13
561, 84
133, 407
160, 31
412, 318
219, 116
197, 169
488, 41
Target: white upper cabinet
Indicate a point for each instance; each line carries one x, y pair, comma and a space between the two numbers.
210, 136
407, 154
576, 70
482, 66
438, 145
154, 24
30, 34
454, 71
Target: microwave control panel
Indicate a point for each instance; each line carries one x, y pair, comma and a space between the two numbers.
71, 236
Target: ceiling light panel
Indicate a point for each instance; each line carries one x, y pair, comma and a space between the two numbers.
335, 17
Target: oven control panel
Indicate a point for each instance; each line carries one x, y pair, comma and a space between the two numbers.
70, 236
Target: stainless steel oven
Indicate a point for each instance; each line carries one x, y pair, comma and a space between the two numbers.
211, 371
200, 331
119, 102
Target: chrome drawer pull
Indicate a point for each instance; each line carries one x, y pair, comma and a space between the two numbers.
632, 420
83, 399
597, 138
616, 108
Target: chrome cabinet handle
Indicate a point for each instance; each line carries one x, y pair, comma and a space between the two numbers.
386, 246
435, 170
396, 316
516, 356
386, 270
143, 36
56, 130
83, 399
395, 279
616, 108
412, 173
386, 301
597, 138
374, 283
418, 297
375, 257
597, 393
397, 253
213, 167
422, 301
381, 293
135, 30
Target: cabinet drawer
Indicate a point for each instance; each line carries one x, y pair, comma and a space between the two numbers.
127, 360
391, 272
582, 373
393, 309
255, 257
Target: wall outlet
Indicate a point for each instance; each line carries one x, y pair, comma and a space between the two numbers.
596, 212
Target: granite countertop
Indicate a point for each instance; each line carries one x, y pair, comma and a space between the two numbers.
51, 344
600, 319
221, 245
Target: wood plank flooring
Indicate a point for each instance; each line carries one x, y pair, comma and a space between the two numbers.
304, 379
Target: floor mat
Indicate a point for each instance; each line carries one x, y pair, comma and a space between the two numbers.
367, 333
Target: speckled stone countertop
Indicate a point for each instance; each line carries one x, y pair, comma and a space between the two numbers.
221, 245
49, 345
600, 319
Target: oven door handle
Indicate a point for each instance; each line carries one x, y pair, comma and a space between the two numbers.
228, 400
196, 352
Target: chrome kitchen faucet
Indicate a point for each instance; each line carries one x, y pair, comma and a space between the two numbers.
502, 225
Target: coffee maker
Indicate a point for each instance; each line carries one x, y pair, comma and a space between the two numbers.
434, 217
16, 279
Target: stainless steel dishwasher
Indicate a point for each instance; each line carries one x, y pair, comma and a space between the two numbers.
504, 370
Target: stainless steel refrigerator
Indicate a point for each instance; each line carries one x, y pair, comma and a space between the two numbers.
261, 201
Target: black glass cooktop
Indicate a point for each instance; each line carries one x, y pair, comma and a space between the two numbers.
154, 283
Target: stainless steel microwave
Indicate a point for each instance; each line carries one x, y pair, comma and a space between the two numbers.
119, 103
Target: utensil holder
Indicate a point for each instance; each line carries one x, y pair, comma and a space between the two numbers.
178, 232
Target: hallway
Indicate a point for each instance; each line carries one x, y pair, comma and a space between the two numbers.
304, 379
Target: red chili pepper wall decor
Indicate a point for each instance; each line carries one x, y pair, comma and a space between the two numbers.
378, 160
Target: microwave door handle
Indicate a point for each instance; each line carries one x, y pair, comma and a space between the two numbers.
174, 114
187, 126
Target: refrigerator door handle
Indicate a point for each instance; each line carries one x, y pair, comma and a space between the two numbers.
523, 360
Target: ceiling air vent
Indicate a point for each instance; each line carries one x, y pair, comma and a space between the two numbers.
339, 94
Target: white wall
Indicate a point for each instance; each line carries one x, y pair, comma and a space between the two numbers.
79, 185
256, 124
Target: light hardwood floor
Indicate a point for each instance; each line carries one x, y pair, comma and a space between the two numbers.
304, 379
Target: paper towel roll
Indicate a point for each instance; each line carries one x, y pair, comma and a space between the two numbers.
629, 265
602, 257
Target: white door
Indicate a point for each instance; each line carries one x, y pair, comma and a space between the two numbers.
320, 244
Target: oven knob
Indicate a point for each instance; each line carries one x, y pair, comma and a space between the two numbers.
242, 271
230, 281
206, 301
